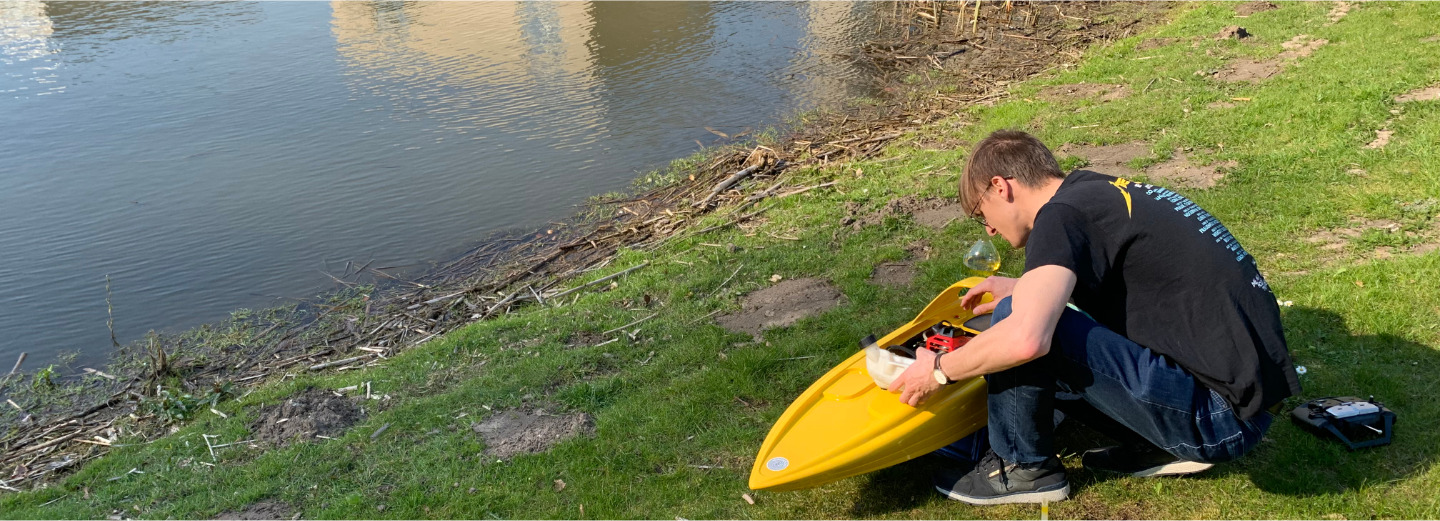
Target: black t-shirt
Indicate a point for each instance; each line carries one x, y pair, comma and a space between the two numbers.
1155, 267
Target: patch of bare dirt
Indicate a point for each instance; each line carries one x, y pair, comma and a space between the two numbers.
893, 274
1430, 39
782, 305
1382, 138
1102, 92
1220, 105
1108, 159
919, 250
312, 413
268, 509
1339, 11
934, 212
856, 220
1249, 8
1431, 93
1338, 239
1254, 71
939, 217
1233, 32
1179, 171
1301, 46
514, 433
1248, 70
584, 338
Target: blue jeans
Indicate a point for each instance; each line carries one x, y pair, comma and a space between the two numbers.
1117, 387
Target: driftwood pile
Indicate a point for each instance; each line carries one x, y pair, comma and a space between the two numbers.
980, 48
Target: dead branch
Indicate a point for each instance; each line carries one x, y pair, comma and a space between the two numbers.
627, 326
599, 280
345, 361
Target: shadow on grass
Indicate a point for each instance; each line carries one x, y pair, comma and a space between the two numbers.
898, 488
1397, 372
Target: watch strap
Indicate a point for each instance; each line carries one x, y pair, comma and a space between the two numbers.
948, 380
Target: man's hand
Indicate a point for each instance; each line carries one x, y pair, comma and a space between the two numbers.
918, 380
1000, 287
1038, 300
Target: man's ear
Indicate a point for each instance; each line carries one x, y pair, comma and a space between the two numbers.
1002, 188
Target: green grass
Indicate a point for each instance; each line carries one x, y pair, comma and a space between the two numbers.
687, 393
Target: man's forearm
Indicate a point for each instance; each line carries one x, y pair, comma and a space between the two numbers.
1035, 305
999, 348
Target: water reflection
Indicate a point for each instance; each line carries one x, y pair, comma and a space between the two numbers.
515, 67
25, 37
112, 21
210, 156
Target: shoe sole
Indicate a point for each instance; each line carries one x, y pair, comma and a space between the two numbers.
1033, 496
1179, 468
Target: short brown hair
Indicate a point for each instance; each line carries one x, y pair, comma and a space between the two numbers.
1010, 154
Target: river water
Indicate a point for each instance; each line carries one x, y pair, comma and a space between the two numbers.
214, 156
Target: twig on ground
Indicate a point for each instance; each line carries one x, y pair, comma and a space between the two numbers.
727, 280
334, 363
803, 190
728, 182
652, 315
223, 445
437, 299
599, 280
701, 319
379, 431
132, 471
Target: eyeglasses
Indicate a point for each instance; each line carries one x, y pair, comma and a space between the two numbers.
975, 212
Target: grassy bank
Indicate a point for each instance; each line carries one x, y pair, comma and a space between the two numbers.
1347, 233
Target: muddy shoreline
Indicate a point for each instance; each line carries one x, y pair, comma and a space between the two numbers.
934, 60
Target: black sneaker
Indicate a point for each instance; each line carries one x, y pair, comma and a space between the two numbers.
994, 482
1140, 462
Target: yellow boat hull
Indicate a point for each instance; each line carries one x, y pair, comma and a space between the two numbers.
844, 425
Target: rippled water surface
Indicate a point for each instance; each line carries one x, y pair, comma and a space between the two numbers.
214, 156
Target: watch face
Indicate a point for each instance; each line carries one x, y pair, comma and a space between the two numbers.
940, 377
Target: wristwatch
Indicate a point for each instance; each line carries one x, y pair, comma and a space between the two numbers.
939, 374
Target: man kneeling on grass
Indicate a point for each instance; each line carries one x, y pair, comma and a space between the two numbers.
1179, 354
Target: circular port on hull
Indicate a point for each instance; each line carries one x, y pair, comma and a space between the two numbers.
777, 464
